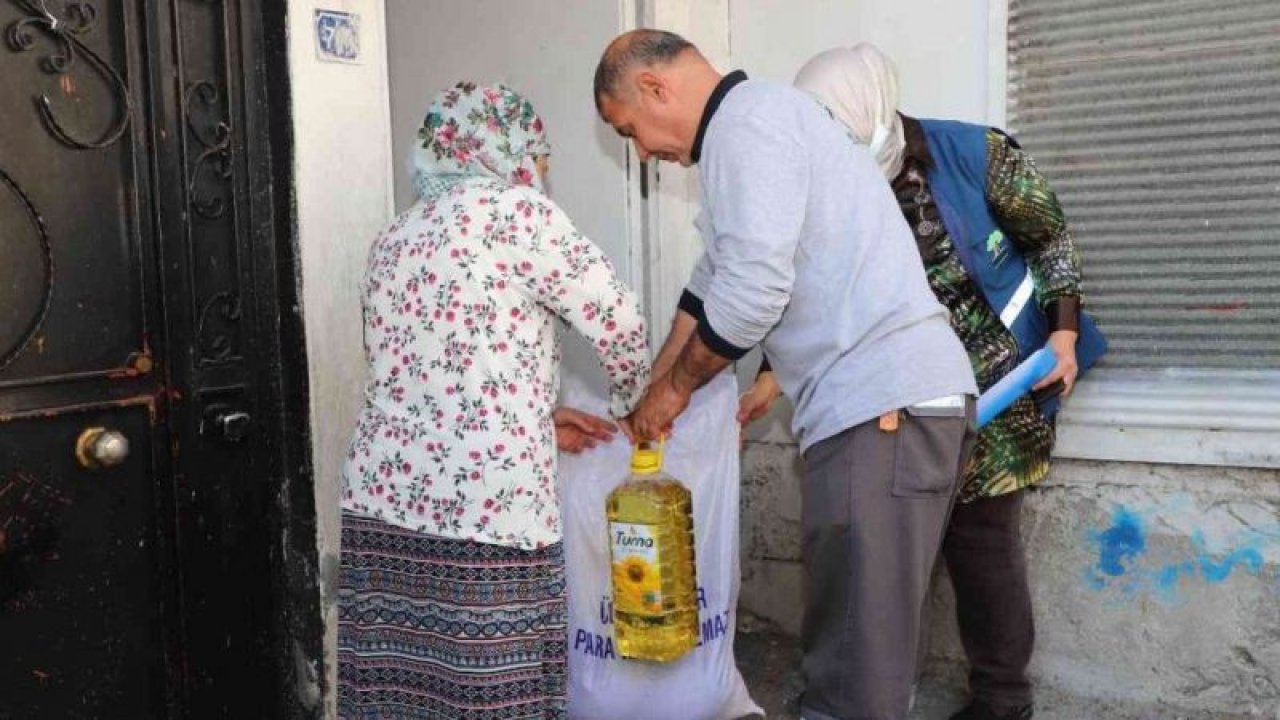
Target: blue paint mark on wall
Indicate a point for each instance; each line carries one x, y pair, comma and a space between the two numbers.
1124, 563
1216, 571
1121, 544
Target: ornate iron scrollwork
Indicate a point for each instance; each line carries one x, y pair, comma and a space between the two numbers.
46, 252
214, 346
210, 153
214, 160
81, 18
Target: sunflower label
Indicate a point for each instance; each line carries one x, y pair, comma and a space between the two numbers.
637, 575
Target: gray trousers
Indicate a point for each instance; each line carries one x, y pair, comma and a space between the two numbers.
876, 504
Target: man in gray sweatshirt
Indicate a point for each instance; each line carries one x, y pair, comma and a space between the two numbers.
807, 255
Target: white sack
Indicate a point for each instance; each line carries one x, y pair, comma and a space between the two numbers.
704, 684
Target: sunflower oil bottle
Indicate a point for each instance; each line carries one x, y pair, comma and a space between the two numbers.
655, 601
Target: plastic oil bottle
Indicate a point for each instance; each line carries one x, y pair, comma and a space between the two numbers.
655, 602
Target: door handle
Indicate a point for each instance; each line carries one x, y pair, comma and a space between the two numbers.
226, 422
99, 448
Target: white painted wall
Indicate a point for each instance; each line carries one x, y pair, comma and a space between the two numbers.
343, 194
939, 46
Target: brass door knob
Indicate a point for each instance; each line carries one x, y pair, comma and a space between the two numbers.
99, 448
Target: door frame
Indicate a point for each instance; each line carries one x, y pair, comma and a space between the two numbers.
297, 647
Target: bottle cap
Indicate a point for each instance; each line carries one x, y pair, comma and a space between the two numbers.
646, 459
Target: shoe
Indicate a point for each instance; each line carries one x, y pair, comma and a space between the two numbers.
978, 710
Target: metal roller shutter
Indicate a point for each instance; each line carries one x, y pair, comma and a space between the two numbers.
1158, 123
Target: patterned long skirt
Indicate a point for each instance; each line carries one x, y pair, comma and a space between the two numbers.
437, 629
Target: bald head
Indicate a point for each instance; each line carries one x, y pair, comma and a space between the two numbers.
633, 50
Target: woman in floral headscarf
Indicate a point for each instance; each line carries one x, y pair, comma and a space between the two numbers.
451, 599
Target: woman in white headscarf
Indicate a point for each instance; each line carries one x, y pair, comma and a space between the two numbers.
860, 87
994, 241
451, 591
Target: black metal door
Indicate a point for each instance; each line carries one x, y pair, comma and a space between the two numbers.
141, 413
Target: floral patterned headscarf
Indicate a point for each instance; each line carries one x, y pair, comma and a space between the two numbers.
476, 131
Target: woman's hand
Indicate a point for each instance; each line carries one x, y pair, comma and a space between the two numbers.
1063, 343
756, 402
577, 431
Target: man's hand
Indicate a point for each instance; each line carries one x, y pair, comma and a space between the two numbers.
669, 392
658, 409
1063, 343
577, 431
756, 401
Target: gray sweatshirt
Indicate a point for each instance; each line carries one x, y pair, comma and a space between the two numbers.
807, 254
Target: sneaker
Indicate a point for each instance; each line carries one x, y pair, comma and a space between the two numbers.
978, 710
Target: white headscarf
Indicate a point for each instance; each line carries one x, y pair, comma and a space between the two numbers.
860, 87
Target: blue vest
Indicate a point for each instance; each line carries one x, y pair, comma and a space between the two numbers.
958, 180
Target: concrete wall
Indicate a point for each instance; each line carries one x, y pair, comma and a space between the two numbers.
1153, 584
343, 193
